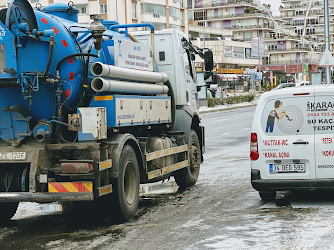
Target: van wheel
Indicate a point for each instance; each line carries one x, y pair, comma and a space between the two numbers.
125, 195
188, 176
267, 196
7, 210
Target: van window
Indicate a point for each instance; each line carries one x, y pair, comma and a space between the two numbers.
287, 116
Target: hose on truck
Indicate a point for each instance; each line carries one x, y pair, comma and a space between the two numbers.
171, 94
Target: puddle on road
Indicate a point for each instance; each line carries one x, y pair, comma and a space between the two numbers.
30, 209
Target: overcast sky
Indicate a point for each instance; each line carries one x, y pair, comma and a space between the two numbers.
274, 5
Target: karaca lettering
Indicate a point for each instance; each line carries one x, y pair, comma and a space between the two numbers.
275, 155
275, 142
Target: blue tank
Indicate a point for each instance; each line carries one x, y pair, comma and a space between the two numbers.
40, 98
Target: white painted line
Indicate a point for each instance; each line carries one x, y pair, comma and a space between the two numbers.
251, 115
245, 128
223, 120
206, 138
226, 134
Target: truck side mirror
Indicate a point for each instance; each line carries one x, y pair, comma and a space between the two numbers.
192, 57
208, 60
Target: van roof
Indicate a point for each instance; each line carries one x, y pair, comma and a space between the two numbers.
310, 88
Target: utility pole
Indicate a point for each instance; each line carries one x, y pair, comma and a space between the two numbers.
327, 39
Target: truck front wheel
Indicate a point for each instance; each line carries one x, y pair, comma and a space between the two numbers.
126, 186
7, 210
188, 176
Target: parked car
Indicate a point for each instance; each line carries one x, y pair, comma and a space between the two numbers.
285, 85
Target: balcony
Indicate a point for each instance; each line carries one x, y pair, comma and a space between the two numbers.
293, 47
255, 26
209, 30
229, 2
208, 18
289, 62
280, 36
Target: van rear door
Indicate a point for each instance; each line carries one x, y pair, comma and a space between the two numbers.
286, 140
323, 120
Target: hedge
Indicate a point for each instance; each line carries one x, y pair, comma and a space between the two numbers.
212, 102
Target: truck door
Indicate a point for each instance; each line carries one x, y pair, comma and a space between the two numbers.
286, 142
191, 79
324, 132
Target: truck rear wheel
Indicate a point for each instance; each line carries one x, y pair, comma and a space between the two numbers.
126, 187
188, 177
7, 210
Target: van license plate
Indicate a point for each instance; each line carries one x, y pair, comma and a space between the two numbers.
287, 168
13, 156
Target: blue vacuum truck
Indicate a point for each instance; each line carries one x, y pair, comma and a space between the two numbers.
90, 112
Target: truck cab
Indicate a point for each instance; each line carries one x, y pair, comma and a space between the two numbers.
173, 56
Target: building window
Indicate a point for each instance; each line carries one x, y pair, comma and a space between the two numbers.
299, 12
297, 22
174, 12
155, 9
103, 9
286, 13
190, 4
134, 10
82, 8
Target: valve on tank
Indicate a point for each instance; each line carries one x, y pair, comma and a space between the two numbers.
97, 29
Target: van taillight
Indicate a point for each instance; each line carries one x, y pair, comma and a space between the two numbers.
254, 152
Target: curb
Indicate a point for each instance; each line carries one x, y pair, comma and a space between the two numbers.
227, 108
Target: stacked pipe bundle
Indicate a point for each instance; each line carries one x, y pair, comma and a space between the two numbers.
101, 84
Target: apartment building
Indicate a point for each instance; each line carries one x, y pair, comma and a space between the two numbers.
286, 50
163, 14
241, 21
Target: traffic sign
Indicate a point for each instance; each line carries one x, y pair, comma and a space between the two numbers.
258, 76
326, 60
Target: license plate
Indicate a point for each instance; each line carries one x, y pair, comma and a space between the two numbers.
287, 168
4, 156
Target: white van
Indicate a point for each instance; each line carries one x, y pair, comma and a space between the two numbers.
292, 140
302, 83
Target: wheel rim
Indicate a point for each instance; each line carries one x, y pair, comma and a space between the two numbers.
195, 158
130, 183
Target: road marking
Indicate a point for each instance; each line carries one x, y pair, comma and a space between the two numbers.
251, 115
226, 134
206, 138
245, 128
223, 120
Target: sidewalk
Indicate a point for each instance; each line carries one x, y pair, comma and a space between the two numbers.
219, 108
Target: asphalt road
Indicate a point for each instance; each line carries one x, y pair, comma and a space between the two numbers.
222, 211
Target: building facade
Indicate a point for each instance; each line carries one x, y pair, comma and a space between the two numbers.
163, 14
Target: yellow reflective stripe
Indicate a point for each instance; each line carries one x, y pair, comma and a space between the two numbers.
103, 98
52, 189
88, 185
69, 187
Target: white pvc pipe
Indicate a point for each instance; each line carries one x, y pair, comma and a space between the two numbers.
122, 87
101, 69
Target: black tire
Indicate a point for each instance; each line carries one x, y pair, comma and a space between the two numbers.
7, 210
267, 196
125, 195
188, 177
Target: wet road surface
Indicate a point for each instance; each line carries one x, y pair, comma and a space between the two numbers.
222, 211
